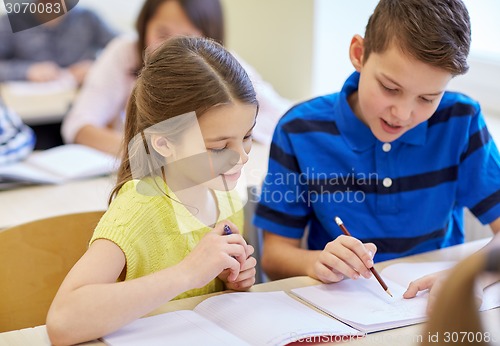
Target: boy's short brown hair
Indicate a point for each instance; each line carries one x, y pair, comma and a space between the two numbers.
436, 32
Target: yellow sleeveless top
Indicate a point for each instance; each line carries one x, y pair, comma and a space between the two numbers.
155, 231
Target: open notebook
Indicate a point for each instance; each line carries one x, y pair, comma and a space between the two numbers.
59, 165
370, 309
256, 318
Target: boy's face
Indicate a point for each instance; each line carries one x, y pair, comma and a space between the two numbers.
396, 92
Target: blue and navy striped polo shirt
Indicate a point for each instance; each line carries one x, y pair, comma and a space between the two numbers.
406, 196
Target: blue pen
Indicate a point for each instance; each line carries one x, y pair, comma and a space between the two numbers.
227, 230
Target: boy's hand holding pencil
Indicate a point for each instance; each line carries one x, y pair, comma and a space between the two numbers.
343, 257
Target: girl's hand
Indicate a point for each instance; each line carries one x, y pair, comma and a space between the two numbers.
344, 257
246, 276
215, 253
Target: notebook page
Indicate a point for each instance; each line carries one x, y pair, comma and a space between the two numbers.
23, 172
491, 297
174, 328
25, 88
73, 161
404, 273
269, 318
363, 303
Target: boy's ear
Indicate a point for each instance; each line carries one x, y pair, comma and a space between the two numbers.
356, 52
161, 145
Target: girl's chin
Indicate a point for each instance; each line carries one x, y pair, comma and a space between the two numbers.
221, 184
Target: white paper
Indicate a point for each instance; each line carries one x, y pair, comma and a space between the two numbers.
24, 88
183, 327
248, 318
404, 273
371, 309
364, 305
60, 164
269, 318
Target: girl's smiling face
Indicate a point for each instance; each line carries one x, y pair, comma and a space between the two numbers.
213, 151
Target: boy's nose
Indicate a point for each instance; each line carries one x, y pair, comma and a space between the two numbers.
402, 112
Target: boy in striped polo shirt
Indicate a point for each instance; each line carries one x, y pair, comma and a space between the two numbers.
393, 154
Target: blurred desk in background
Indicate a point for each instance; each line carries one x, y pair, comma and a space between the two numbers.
31, 203
42, 106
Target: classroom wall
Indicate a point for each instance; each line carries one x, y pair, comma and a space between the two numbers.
276, 37
335, 23
301, 47
119, 13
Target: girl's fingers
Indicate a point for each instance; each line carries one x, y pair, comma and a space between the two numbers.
237, 252
234, 270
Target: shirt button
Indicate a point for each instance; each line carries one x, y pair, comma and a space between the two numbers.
387, 182
386, 147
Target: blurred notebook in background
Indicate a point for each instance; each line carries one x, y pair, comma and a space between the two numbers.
58, 165
39, 103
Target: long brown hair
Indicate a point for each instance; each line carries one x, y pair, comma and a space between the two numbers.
436, 32
183, 75
206, 16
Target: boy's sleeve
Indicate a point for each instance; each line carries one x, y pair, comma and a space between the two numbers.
283, 207
16, 139
479, 172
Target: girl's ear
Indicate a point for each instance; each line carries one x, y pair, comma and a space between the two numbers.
161, 145
356, 52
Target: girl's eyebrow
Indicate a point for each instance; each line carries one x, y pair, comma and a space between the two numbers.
223, 138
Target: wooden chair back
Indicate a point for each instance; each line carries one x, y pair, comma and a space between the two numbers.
34, 259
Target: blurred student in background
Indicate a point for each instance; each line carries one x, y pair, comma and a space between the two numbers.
16, 139
97, 116
66, 45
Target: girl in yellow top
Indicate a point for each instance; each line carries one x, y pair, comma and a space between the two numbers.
187, 134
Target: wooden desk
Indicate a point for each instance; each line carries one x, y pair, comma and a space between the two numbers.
31, 203
400, 337
37, 202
